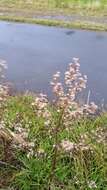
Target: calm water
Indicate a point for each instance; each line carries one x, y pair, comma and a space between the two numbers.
35, 52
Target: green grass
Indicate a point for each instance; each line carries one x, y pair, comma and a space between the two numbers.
73, 171
80, 7
53, 4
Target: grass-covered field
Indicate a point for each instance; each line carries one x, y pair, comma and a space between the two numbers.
81, 167
70, 6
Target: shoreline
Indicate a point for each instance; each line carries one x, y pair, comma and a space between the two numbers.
75, 24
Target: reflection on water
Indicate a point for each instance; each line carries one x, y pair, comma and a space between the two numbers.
70, 32
35, 52
100, 36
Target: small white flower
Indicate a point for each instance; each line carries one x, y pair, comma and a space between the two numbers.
92, 184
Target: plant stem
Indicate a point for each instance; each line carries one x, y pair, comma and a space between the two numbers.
55, 153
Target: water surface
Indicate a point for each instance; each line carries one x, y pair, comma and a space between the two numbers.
34, 52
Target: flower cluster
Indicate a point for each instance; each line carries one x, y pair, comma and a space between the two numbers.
71, 147
41, 106
67, 146
100, 135
66, 96
74, 83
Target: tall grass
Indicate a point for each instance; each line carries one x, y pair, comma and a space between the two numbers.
83, 168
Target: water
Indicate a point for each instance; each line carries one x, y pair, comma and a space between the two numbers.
33, 54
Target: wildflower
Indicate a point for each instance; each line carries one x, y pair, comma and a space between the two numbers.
67, 146
92, 184
76, 60
41, 106
90, 108
47, 123
66, 97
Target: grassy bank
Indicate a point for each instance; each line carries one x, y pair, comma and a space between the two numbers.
32, 11
82, 166
85, 25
